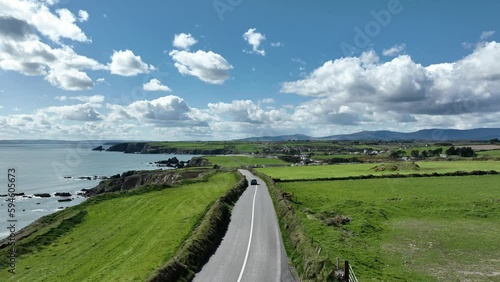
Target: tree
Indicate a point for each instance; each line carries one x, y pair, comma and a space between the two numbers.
438, 151
452, 151
397, 154
494, 141
415, 154
425, 154
466, 152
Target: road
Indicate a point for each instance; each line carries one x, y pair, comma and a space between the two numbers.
252, 249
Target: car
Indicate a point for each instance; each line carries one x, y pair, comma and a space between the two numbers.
253, 182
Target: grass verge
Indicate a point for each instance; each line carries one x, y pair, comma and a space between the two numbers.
123, 236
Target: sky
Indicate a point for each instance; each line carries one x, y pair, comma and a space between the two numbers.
230, 69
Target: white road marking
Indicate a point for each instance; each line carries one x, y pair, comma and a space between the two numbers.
250, 239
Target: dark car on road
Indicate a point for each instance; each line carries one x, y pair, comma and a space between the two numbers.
253, 182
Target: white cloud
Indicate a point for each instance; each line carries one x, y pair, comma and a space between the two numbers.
208, 66
102, 80
277, 44
255, 39
21, 50
395, 50
167, 111
183, 41
400, 90
83, 16
126, 63
95, 99
37, 14
79, 112
247, 111
487, 34
155, 85
267, 101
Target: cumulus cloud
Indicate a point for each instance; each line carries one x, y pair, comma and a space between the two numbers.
395, 50
155, 85
402, 86
62, 67
164, 111
83, 16
255, 38
247, 111
23, 51
126, 63
208, 66
183, 41
79, 112
37, 14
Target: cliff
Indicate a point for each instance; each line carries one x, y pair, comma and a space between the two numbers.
132, 179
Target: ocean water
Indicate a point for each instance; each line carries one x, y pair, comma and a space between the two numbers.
42, 168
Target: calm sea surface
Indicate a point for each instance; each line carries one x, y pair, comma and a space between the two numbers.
42, 168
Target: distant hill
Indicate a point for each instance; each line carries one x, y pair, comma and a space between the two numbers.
425, 134
385, 135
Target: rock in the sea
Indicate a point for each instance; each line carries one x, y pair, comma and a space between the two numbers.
99, 148
62, 194
65, 200
85, 178
42, 195
18, 194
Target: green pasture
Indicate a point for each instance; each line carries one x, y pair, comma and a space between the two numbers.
411, 229
124, 238
345, 170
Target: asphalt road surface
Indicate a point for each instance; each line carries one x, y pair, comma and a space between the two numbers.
252, 249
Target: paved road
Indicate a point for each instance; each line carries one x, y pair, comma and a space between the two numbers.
252, 249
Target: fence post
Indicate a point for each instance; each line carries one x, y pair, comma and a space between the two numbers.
346, 270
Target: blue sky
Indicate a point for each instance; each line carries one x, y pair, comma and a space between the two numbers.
226, 69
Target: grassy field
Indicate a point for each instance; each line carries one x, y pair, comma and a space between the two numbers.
340, 156
124, 238
417, 229
239, 161
325, 171
492, 153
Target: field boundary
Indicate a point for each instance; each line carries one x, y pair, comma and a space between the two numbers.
307, 259
409, 175
203, 241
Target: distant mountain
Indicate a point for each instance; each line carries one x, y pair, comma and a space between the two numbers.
424, 135
385, 135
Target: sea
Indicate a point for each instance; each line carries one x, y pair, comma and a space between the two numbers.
58, 167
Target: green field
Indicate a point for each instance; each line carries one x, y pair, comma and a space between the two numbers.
340, 156
492, 153
124, 238
412, 229
345, 170
241, 161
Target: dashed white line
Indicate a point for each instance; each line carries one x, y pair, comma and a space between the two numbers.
250, 239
